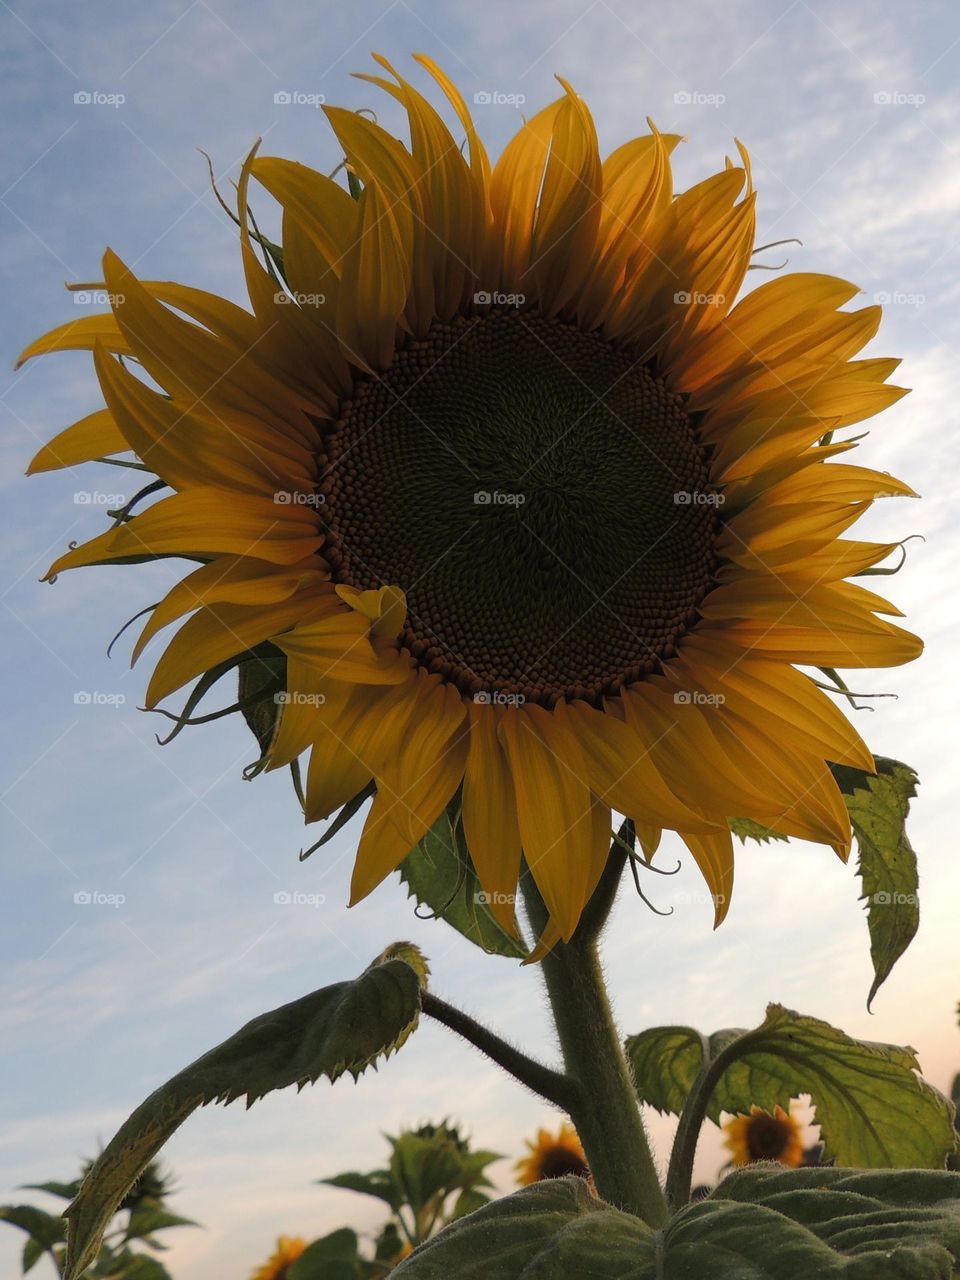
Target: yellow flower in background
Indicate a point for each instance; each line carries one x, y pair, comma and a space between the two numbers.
288, 1250
540, 519
552, 1156
762, 1136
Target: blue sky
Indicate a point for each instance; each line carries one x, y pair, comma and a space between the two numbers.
851, 114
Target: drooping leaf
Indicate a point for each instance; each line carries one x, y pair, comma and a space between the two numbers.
439, 874
805, 1224
342, 1028
873, 1109
878, 806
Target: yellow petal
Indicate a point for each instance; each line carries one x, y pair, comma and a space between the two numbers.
94, 436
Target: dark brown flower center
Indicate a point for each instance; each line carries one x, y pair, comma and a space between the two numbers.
540, 496
560, 1162
767, 1137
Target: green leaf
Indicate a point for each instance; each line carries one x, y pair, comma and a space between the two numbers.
809, 1224
342, 1028
330, 1258
747, 829
667, 1060
138, 1266
550, 1230
439, 874
147, 1219
65, 1190
40, 1226
378, 1184
873, 1110
887, 865
469, 1201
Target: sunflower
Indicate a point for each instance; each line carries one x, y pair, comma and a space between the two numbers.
553, 1156
532, 520
288, 1250
762, 1136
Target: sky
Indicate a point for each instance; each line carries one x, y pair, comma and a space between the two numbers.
851, 116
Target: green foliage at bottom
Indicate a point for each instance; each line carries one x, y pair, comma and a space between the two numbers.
763, 1223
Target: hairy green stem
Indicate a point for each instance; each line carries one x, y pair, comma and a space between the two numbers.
680, 1172
549, 1084
605, 1109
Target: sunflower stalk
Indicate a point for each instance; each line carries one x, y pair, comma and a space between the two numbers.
604, 1108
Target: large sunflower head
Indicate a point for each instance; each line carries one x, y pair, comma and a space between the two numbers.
520, 512
762, 1136
288, 1250
553, 1155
